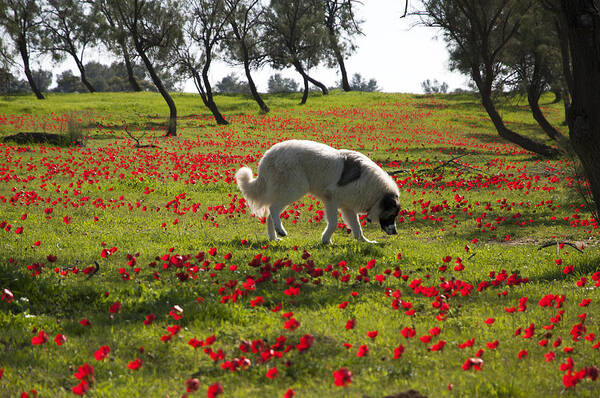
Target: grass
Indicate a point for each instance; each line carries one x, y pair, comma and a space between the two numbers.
154, 204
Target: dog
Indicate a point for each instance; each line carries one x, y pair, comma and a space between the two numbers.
342, 179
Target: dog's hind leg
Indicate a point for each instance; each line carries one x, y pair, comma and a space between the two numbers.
275, 214
331, 213
271, 228
351, 219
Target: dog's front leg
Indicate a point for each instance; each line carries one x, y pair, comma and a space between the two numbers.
351, 219
331, 213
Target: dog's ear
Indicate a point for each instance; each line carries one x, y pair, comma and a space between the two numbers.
389, 201
352, 170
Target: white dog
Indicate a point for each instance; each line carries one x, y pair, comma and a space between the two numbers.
342, 179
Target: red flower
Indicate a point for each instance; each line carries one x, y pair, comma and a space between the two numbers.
363, 351
60, 339
192, 385
522, 354
134, 365
343, 305
86, 371
475, 363
7, 296
492, 344
350, 324
84, 322
489, 321
272, 373
408, 332
398, 351
306, 342
214, 390
289, 393
102, 353
19, 230
149, 319
212, 251
81, 388
372, 334
40, 339
342, 377
115, 307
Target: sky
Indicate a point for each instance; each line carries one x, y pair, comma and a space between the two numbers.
393, 51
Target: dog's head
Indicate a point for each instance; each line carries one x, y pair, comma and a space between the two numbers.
386, 210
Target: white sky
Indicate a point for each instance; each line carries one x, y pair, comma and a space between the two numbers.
397, 56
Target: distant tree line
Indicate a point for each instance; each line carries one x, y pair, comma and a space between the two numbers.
161, 42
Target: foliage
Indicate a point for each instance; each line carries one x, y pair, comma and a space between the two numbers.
231, 84
434, 87
279, 84
358, 83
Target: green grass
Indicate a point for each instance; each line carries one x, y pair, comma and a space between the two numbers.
180, 198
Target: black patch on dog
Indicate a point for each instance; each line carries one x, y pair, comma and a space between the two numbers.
389, 211
352, 170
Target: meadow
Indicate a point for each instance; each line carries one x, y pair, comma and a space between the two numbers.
139, 271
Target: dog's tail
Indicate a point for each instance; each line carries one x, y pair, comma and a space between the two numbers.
253, 190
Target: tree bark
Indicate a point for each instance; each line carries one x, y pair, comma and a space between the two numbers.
209, 101
25, 56
305, 93
172, 126
485, 89
533, 97
583, 25
130, 75
340, 59
263, 107
84, 80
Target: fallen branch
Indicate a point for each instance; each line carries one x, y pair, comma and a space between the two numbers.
549, 244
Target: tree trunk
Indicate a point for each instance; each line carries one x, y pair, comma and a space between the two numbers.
305, 93
340, 59
485, 89
557, 95
263, 107
25, 56
172, 126
210, 102
318, 84
583, 26
130, 76
84, 80
533, 97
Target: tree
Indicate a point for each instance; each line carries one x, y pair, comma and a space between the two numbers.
243, 39
22, 23
342, 25
155, 29
582, 24
67, 82
204, 31
534, 56
231, 84
296, 37
70, 30
477, 33
114, 37
358, 83
278, 84
434, 87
